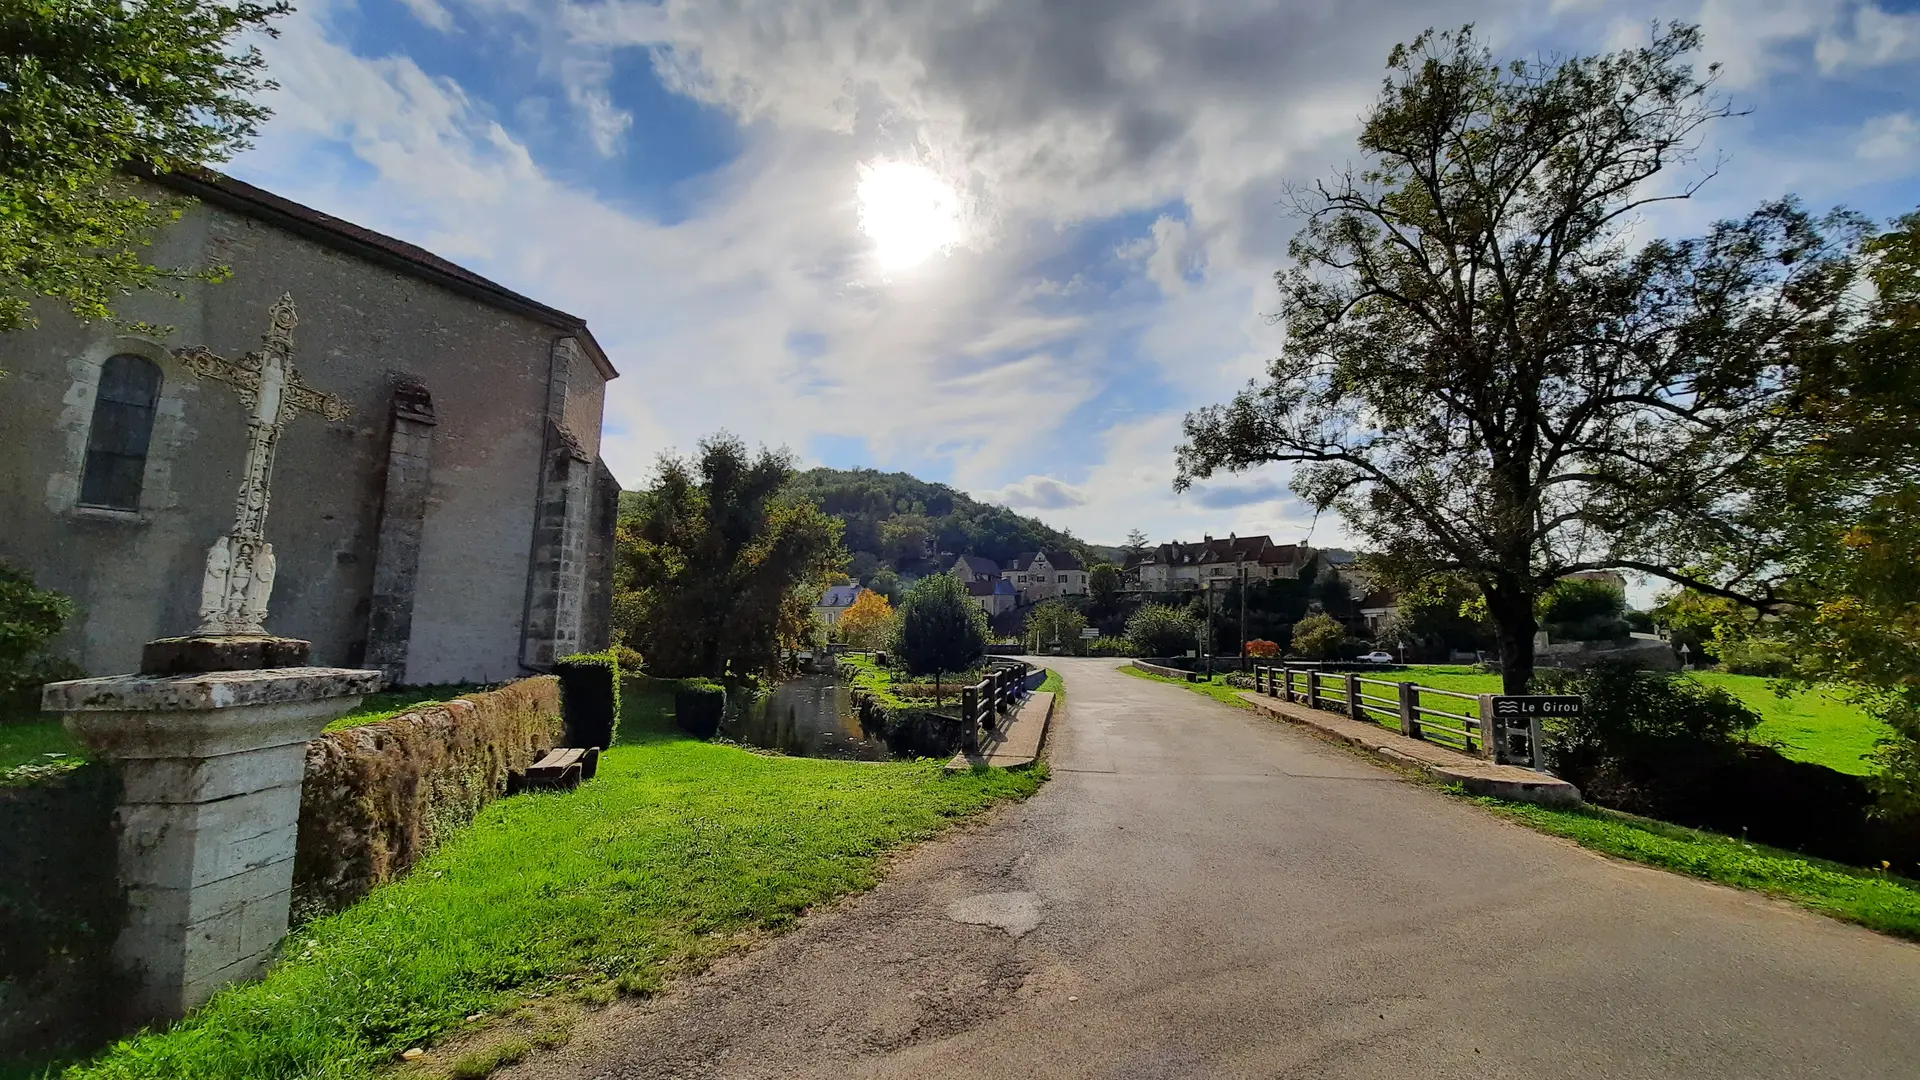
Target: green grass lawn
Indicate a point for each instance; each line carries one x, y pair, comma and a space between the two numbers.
678, 851
1884, 902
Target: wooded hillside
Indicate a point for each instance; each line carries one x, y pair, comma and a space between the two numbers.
889, 516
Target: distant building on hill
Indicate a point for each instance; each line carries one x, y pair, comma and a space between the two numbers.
972, 568
1177, 566
1043, 575
834, 603
994, 596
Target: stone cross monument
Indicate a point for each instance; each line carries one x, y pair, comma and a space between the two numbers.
239, 574
209, 740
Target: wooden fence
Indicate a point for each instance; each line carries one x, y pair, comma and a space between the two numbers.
1443, 717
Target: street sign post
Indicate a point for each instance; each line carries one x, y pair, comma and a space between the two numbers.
1513, 725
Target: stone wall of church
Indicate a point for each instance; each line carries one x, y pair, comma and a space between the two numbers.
363, 330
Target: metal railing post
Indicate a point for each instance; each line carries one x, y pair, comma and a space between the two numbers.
1354, 709
1313, 689
1410, 710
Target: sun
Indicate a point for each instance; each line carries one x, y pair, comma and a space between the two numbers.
908, 212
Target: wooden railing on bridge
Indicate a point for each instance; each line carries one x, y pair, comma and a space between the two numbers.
982, 705
1409, 706
996, 695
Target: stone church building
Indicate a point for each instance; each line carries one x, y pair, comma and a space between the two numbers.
455, 526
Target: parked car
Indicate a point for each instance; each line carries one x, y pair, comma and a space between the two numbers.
1377, 657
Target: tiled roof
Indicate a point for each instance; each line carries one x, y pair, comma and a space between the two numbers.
1059, 560
979, 564
342, 235
977, 587
839, 596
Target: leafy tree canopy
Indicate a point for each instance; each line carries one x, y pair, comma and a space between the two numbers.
941, 628
87, 88
868, 622
714, 574
1054, 622
1160, 630
1485, 373
1319, 636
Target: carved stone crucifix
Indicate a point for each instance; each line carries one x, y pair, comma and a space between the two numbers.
239, 576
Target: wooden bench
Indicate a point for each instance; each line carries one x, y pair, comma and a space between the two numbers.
562, 769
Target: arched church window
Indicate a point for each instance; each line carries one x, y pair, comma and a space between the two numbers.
122, 427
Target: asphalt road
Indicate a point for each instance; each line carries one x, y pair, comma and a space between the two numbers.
1201, 893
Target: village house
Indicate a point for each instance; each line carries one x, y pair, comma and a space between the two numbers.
972, 568
1043, 575
1178, 566
995, 596
834, 603
440, 510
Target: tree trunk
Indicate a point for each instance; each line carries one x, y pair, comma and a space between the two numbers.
1514, 627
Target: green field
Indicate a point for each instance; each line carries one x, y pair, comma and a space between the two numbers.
678, 851
1818, 726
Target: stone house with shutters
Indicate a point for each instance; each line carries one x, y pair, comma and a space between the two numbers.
456, 526
1043, 575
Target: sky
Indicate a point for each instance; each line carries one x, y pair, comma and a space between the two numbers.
1000, 244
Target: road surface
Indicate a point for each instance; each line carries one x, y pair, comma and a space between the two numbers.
1202, 893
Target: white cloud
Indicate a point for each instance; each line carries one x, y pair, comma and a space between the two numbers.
997, 359
431, 13
1037, 493
1177, 253
1889, 138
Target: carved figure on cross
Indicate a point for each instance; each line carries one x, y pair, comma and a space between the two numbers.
240, 567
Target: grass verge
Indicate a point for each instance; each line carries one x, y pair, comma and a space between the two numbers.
1878, 900
677, 852
1218, 691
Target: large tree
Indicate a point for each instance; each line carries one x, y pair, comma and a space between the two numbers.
1486, 373
1837, 514
714, 573
87, 88
941, 629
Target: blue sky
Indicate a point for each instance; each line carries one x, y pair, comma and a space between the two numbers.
692, 179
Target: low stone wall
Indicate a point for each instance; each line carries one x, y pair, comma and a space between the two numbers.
378, 798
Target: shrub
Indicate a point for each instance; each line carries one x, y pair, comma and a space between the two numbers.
589, 697
1112, 646
629, 659
1635, 727
1320, 637
29, 618
1261, 648
699, 705
1160, 630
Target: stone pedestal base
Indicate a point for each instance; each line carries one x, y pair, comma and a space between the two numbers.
211, 766
229, 652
